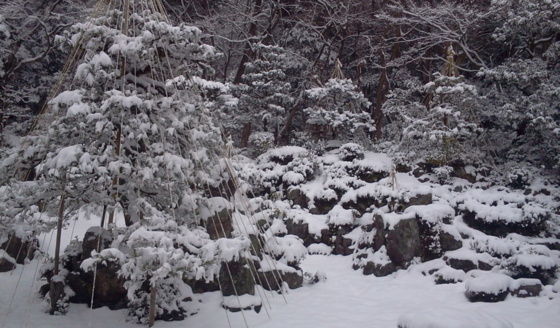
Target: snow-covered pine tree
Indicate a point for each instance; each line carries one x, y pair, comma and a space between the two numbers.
439, 130
338, 110
268, 94
131, 135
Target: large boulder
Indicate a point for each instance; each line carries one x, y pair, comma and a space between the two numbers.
96, 238
300, 228
236, 278
220, 224
403, 242
489, 287
298, 197
526, 288
274, 279
109, 285
20, 249
6, 264
467, 260
448, 241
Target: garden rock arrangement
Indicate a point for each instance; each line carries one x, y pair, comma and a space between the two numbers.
463, 228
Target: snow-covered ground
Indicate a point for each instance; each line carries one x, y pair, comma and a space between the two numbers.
346, 298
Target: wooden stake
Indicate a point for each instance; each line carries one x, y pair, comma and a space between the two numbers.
58, 234
103, 215
152, 314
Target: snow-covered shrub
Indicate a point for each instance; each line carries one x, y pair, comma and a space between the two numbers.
533, 261
350, 151
440, 130
288, 249
260, 142
313, 278
443, 173
282, 155
155, 262
519, 178
340, 108
283, 167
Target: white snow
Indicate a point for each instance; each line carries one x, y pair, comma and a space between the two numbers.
432, 213
448, 317
376, 162
242, 301
65, 157
489, 283
340, 216
320, 249
346, 299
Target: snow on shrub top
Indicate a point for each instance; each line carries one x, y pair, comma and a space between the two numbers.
293, 178
289, 248
508, 213
467, 254
283, 154
533, 262
225, 250
489, 283
65, 157
495, 246
376, 162
432, 213
214, 206
380, 257
315, 223
268, 264
351, 151
535, 257
340, 216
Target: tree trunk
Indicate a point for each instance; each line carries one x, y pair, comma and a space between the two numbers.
248, 51
245, 135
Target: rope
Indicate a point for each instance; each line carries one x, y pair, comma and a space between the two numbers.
245, 204
7, 246
13, 296
252, 265
27, 313
208, 189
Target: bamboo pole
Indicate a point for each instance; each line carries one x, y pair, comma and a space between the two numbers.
116, 178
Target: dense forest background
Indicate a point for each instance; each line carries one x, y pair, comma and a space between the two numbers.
442, 82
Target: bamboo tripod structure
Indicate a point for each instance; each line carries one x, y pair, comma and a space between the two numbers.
165, 71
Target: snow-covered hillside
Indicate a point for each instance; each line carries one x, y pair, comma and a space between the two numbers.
379, 251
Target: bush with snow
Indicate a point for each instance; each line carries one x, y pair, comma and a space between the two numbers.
350, 151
